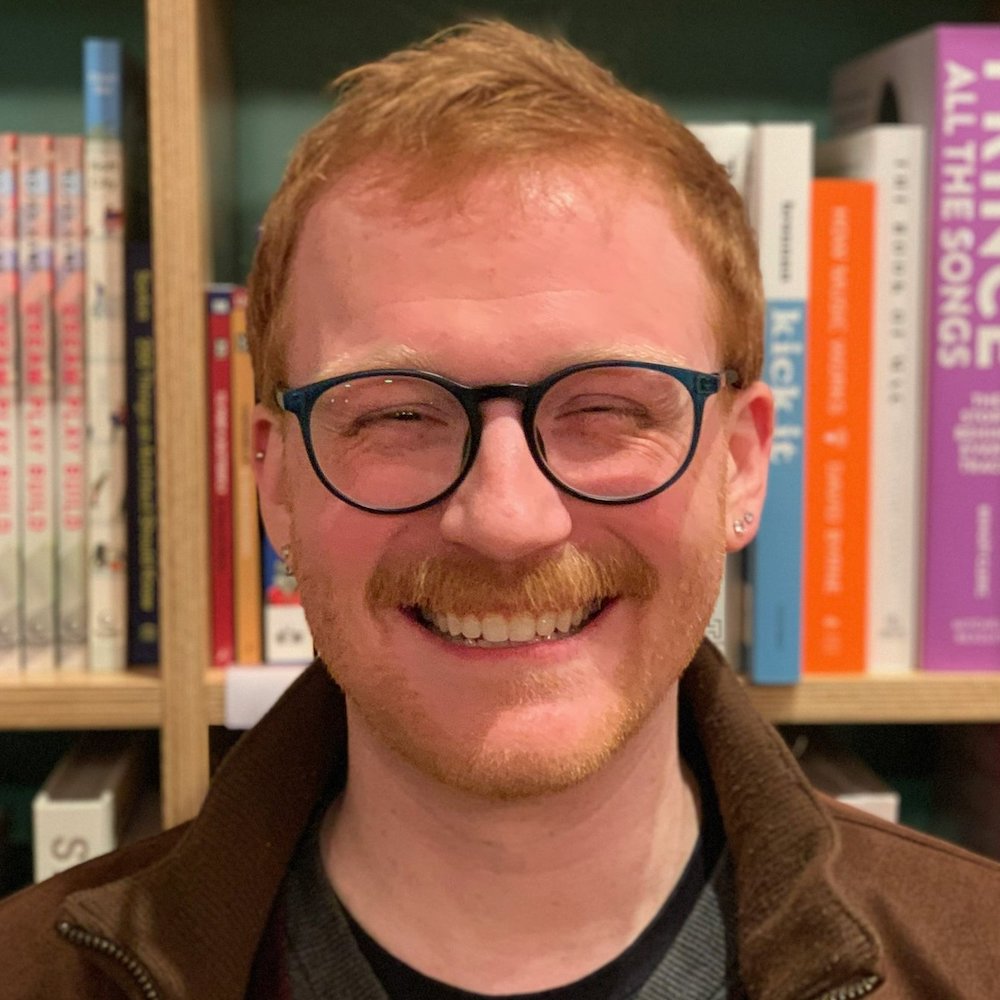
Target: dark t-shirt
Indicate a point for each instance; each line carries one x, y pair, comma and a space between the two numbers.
685, 952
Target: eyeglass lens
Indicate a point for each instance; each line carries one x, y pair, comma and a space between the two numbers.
396, 442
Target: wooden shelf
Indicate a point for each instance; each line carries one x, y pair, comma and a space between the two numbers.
81, 700
936, 698
941, 698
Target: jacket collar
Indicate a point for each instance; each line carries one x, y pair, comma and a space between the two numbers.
200, 911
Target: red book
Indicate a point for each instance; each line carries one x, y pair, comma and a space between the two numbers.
219, 301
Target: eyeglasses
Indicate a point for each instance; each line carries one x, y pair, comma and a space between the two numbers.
393, 441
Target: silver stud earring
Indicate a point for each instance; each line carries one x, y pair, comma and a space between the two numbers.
739, 527
748, 518
259, 455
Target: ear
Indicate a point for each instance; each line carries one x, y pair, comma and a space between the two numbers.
750, 430
269, 469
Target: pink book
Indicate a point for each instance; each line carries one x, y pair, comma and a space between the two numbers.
10, 490
70, 402
38, 536
947, 79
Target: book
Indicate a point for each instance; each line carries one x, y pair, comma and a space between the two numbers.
287, 639
246, 521
729, 144
779, 204
947, 79
838, 392
37, 403
70, 421
81, 810
141, 506
10, 444
842, 774
219, 304
892, 156
104, 183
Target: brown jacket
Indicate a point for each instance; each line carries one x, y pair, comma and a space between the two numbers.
830, 902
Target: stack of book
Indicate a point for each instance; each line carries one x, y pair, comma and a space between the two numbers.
63, 409
257, 616
879, 249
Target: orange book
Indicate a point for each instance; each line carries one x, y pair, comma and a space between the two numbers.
246, 525
837, 418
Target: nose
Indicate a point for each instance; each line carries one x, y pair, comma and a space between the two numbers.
505, 508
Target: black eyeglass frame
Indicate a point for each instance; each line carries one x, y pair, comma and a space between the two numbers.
701, 385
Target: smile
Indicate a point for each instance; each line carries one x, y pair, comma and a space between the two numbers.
495, 629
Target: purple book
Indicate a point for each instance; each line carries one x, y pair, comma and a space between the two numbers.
947, 79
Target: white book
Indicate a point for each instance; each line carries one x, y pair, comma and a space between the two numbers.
104, 185
81, 810
37, 401
779, 202
893, 156
70, 467
10, 445
729, 144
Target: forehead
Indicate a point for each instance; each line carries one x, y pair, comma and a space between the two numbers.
511, 278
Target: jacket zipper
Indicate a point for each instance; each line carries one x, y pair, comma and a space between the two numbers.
852, 991
135, 968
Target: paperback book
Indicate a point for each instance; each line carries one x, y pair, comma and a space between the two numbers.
838, 387
104, 179
37, 404
10, 446
729, 144
143, 576
892, 157
947, 79
779, 198
219, 305
71, 419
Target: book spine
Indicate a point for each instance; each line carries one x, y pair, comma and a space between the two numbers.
892, 156
81, 810
107, 593
143, 579
729, 145
287, 638
38, 536
961, 600
71, 541
246, 522
779, 203
837, 424
10, 445
219, 308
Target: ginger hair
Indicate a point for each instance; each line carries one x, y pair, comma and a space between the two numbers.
487, 97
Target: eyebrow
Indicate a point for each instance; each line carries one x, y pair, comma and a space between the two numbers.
403, 356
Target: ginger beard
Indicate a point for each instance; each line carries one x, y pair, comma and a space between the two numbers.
461, 747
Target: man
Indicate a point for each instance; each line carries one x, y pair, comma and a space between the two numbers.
506, 327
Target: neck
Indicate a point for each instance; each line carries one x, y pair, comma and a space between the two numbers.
511, 897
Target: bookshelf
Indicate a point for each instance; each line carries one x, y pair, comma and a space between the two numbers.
212, 64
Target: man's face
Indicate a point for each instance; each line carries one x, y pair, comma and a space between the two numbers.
527, 277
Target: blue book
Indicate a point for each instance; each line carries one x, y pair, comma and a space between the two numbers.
779, 202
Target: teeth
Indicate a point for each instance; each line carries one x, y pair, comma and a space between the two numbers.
471, 627
494, 627
522, 628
